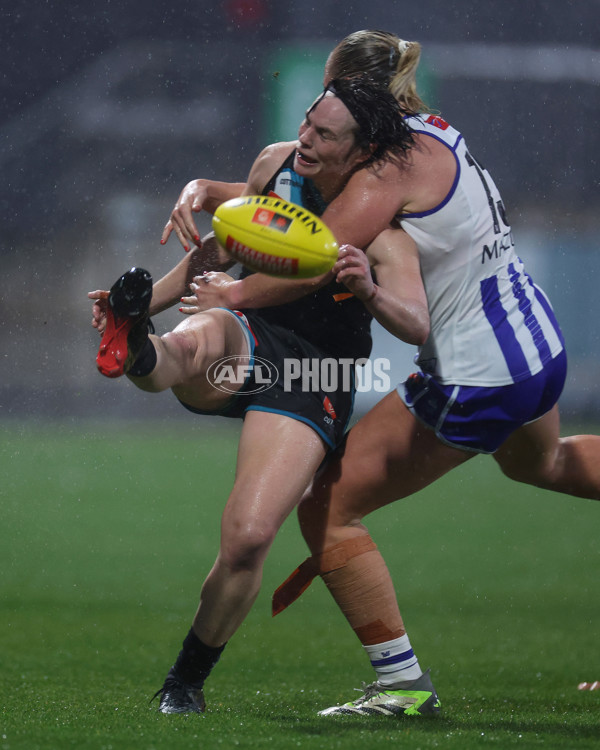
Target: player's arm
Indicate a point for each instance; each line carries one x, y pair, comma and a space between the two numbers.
196, 196
368, 204
397, 298
169, 290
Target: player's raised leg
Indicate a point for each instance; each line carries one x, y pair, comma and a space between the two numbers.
179, 359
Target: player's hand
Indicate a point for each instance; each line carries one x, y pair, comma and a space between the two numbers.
208, 291
353, 270
100, 298
190, 201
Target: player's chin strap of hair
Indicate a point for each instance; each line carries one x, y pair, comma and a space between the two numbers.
331, 559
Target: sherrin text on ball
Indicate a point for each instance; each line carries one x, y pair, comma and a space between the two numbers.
274, 236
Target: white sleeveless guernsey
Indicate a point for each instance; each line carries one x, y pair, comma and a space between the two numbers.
490, 324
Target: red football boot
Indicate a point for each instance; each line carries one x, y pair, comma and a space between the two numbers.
127, 323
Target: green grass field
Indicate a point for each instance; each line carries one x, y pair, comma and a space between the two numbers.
107, 535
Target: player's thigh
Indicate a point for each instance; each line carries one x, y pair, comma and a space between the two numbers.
277, 458
530, 452
209, 335
388, 455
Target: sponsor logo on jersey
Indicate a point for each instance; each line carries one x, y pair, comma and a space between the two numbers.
288, 186
328, 406
437, 122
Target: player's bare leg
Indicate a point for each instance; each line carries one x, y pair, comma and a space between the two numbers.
400, 457
184, 355
270, 480
374, 472
535, 454
269, 483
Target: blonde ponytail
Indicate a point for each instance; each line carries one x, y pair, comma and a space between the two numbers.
403, 83
388, 60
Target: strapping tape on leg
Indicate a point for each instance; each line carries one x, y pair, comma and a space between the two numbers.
331, 559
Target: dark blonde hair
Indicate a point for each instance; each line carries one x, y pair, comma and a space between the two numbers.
387, 59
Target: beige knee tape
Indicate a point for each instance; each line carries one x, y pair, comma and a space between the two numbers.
331, 559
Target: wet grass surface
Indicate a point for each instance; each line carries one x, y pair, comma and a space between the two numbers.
109, 531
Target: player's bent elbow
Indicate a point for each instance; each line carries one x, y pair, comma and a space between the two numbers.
420, 327
422, 334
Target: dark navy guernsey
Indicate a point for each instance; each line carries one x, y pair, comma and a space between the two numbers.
330, 318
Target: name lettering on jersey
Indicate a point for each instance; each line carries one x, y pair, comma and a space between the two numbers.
500, 246
288, 178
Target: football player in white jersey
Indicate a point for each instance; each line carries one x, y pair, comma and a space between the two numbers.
491, 370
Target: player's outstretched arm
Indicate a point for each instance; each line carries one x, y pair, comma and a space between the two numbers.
171, 288
396, 298
197, 195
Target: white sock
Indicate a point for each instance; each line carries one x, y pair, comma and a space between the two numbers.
394, 661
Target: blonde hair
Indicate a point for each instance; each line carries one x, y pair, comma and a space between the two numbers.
384, 57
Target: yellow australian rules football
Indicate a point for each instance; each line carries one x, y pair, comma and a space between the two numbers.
274, 236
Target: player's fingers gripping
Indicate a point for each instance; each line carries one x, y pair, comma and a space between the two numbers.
189, 305
98, 294
351, 259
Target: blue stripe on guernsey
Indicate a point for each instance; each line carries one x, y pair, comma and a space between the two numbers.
505, 335
250, 339
532, 323
397, 659
288, 186
547, 307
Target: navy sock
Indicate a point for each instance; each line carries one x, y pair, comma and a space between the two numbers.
196, 660
145, 362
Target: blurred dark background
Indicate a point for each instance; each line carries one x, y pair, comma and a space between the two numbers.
108, 109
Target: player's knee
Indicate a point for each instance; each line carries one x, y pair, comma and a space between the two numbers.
320, 528
535, 472
314, 522
307, 518
181, 344
247, 547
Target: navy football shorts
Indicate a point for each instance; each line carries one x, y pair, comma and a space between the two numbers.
480, 419
269, 387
